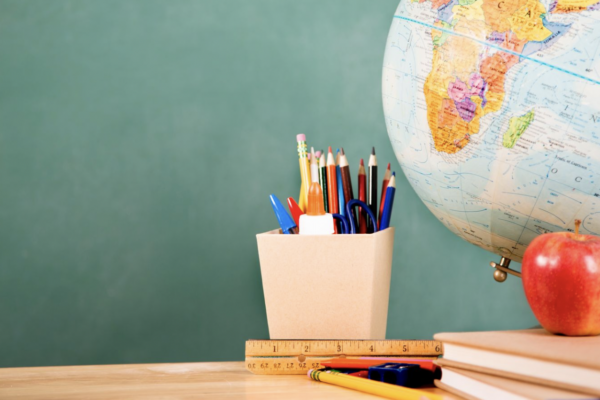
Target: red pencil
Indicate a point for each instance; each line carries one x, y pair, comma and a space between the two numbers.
360, 374
362, 196
384, 184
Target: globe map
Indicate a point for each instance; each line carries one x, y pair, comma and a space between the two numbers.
493, 110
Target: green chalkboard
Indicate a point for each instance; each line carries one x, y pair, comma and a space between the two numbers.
139, 141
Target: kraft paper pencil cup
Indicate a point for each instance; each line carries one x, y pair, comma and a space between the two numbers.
326, 287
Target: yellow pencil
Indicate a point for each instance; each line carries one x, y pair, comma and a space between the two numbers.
301, 198
304, 171
304, 192
368, 386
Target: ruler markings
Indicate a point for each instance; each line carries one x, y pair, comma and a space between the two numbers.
295, 365
342, 347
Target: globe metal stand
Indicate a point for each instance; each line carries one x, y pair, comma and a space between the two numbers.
500, 274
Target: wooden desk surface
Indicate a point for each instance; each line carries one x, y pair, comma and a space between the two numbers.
221, 381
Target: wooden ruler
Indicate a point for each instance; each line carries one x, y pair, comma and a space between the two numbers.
294, 365
296, 357
283, 365
336, 348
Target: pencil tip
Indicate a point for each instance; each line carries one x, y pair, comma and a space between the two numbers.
373, 151
343, 151
330, 149
362, 162
389, 164
394, 173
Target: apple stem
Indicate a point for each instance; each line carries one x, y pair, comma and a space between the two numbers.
577, 225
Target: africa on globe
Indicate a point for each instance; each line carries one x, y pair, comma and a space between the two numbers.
493, 110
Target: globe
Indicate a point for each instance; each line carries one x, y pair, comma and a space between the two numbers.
493, 111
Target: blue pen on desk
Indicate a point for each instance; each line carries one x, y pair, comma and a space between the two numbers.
389, 203
287, 224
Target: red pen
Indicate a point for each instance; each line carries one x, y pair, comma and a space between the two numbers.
295, 210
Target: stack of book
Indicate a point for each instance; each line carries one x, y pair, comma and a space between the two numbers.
524, 364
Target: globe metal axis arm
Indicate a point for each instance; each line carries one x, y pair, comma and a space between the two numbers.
500, 274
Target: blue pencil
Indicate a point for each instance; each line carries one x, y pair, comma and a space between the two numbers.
389, 203
340, 185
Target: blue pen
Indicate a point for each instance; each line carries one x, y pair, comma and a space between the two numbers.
287, 224
340, 185
389, 202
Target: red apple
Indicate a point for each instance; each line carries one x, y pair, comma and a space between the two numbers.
561, 278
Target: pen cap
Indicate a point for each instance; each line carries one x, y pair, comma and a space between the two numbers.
315, 200
285, 221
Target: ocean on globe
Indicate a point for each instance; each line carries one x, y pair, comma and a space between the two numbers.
493, 110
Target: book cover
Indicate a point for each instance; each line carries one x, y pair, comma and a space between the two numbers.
533, 355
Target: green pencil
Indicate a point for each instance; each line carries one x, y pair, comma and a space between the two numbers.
323, 179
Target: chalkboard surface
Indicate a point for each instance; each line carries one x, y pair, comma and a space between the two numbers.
139, 141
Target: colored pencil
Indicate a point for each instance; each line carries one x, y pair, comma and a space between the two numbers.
323, 180
332, 192
346, 179
360, 374
368, 386
304, 170
386, 179
389, 203
372, 194
365, 363
362, 183
340, 185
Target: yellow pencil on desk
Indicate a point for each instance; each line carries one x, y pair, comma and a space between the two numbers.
368, 386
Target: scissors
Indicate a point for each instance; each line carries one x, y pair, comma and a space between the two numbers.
348, 225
